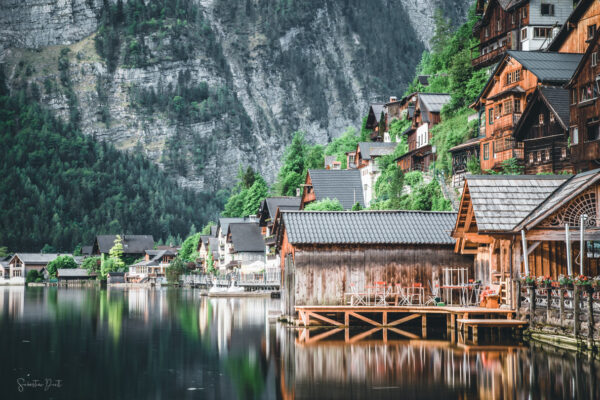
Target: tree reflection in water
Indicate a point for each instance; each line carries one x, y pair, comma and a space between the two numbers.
140, 343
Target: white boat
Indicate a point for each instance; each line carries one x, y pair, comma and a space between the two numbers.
234, 289
216, 289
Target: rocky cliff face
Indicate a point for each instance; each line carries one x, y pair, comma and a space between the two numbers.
204, 86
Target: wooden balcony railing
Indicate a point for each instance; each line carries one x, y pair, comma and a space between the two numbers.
506, 122
488, 58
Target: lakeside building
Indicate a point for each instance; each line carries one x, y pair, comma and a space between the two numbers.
15, 270
326, 254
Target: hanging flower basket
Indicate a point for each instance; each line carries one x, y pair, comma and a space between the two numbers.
565, 282
528, 282
584, 283
544, 282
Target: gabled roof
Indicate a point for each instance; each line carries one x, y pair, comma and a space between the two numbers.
506, 5
474, 142
557, 101
573, 19
369, 227
37, 258
204, 240
369, 150
500, 202
560, 197
433, 102
283, 203
86, 250
213, 243
132, 244
72, 273
224, 223
246, 237
548, 67
377, 109
214, 230
344, 185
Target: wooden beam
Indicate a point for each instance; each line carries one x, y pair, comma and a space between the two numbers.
362, 317
404, 333
533, 246
323, 318
405, 319
478, 238
363, 335
559, 235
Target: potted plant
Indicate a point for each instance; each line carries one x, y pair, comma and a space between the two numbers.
528, 281
566, 282
584, 283
544, 282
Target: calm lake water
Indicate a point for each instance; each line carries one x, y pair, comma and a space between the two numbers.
176, 344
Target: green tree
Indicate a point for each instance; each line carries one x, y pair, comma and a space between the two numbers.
293, 170
256, 194
206, 229
60, 262
48, 249
210, 262
116, 252
357, 207
3, 251
175, 270
33, 276
91, 264
189, 248
325, 205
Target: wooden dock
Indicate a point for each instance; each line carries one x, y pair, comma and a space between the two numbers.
458, 319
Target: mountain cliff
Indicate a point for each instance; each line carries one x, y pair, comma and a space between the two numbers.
201, 87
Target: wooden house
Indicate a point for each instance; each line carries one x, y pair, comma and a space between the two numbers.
516, 25
585, 109
134, 246
544, 131
343, 185
376, 121
578, 29
426, 114
225, 256
154, 265
327, 254
461, 155
21, 263
266, 218
246, 244
506, 94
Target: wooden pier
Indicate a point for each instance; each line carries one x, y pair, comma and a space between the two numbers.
458, 319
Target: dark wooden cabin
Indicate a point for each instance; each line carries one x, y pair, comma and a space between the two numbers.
585, 109
376, 121
543, 129
324, 253
425, 114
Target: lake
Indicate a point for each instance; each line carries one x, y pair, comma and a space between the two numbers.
66, 343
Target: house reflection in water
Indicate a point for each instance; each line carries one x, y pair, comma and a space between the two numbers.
12, 301
432, 369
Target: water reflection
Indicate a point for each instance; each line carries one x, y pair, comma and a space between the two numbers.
177, 344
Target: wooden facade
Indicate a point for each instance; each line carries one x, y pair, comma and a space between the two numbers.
579, 28
543, 130
585, 109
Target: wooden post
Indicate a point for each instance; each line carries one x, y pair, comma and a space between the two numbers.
561, 302
384, 318
590, 303
525, 256
575, 311
569, 256
424, 325
548, 301
347, 319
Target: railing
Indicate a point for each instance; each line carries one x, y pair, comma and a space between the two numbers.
270, 277
489, 57
505, 122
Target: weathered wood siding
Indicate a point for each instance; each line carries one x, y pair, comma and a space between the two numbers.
576, 42
324, 274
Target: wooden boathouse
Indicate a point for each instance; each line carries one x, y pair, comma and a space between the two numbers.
326, 254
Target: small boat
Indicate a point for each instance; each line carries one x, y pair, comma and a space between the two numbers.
216, 289
234, 289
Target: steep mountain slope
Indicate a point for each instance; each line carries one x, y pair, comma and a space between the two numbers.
201, 87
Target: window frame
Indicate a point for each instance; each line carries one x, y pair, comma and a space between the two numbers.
486, 151
550, 9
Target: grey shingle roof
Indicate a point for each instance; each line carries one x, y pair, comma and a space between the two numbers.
132, 244
246, 237
548, 67
558, 99
500, 202
433, 102
375, 149
71, 273
38, 258
369, 227
283, 203
224, 223
213, 243
569, 189
86, 250
377, 110
344, 185
213, 230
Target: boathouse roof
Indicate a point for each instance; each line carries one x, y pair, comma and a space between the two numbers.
369, 227
500, 202
71, 272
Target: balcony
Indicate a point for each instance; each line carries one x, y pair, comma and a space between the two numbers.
505, 123
487, 59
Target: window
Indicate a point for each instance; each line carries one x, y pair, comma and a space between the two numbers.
593, 249
538, 156
573, 96
498, 111
593, 131
542, 32
524, 34
594, 59
547, 9
512, 77
552, 119
517, 105
524, 12
508, 107
530, 158
499, 24
546, 155
491, 116
487, 31
588, 92
541, 119
591, 31
563, 153
486, 151
574, 135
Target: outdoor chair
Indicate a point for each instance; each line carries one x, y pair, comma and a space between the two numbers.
356, 297
434, 296
380, 293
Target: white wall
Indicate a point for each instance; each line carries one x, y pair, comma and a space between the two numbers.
423, 135
562, 10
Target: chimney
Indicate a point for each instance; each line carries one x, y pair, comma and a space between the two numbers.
393, 99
